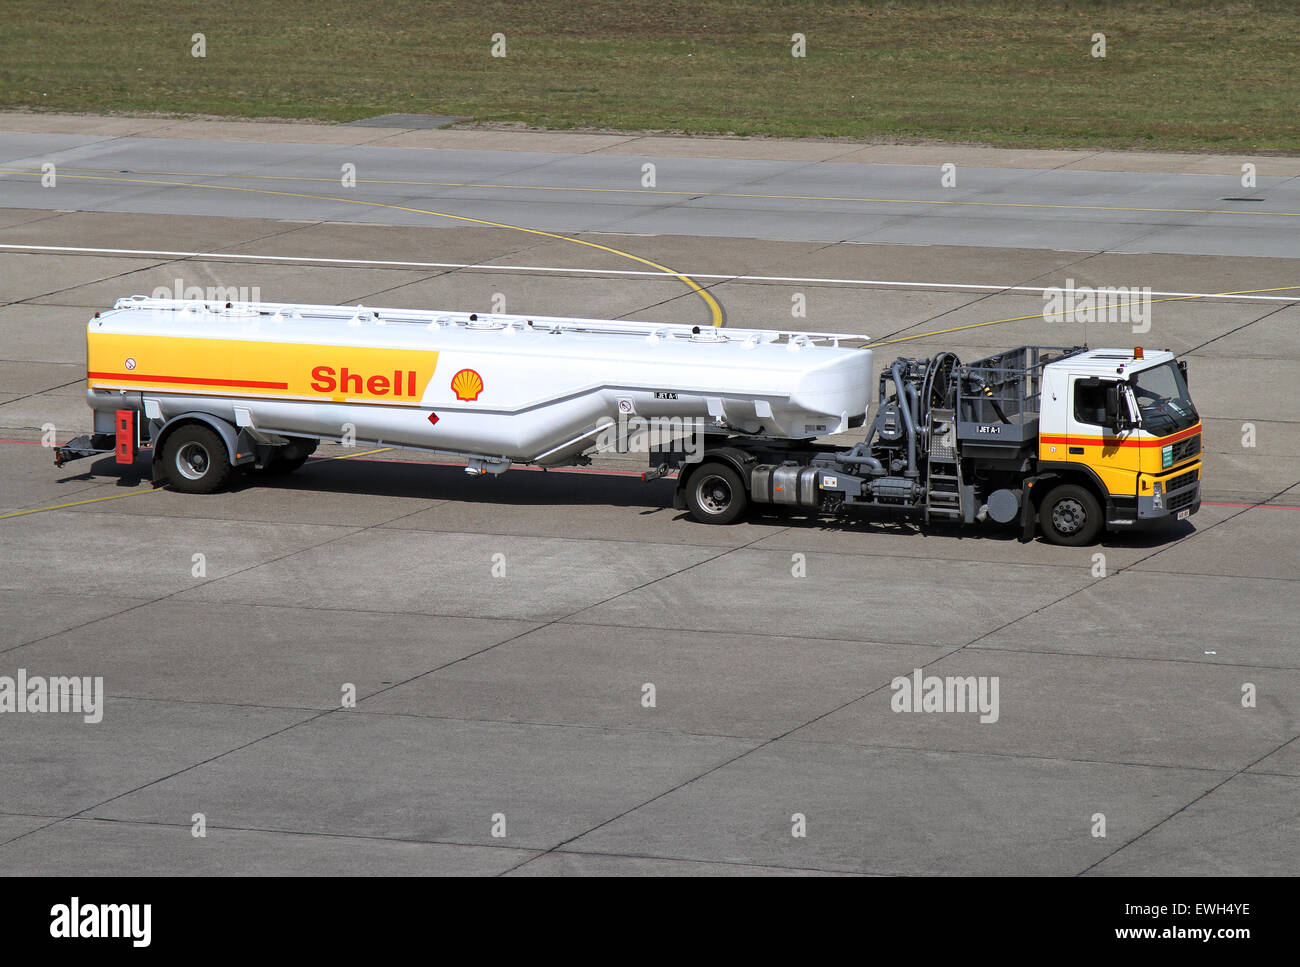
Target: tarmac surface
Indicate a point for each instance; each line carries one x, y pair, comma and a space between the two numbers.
499, 723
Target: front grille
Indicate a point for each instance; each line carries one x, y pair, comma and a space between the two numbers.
1184, 449
1179, 501
1181, 481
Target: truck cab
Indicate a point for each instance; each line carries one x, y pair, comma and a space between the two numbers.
1121, 424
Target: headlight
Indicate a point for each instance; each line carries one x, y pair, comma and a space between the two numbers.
1157, 498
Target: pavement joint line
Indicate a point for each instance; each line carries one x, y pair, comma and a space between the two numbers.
715, 309
309, 719
1178, 812
96, 281
1112, 575
709, 287
388, 713
720, 862
159, 779
1033, 756
1063, 312
164, 597
716, 767
181, 516
1215, 574
424, 277
1224, 335
350, 529
48, 389
691, 733
1212, 503
993, 649
546, 624
142, 602
1045, 607
452, 269
950, 646
370, 837
995, 289
148, 268
690, 195
896, 335
135, 602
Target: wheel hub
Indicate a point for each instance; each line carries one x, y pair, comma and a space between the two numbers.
715, 495
192, 461
1068, 516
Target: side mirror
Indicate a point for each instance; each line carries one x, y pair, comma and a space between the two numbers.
1117, 411
1182, 368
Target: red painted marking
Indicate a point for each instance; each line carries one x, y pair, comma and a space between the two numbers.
187, 380
433, 418
1215, 503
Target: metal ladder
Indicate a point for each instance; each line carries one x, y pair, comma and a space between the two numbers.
943, 483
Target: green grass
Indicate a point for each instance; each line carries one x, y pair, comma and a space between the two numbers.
1178, 75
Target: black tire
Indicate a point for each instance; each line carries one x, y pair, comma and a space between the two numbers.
1070, 515
715, 494
195, 460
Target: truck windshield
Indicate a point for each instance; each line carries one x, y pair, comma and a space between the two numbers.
1162, 399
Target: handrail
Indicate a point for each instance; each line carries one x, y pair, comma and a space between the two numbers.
499, 321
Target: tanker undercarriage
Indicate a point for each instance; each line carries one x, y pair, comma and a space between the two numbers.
949, 443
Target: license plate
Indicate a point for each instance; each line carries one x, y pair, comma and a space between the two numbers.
1183, 513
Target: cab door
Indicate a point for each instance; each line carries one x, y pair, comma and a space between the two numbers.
1091, 439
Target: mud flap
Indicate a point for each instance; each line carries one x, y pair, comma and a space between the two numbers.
1028, 513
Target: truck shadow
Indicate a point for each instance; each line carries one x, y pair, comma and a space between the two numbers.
883, 522
522, 487
433, 482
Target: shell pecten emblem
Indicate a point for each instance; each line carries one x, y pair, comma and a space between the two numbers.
467, 384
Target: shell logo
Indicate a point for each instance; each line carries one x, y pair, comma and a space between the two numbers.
467, 384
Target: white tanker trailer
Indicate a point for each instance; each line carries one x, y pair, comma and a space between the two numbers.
273, 379
214, 388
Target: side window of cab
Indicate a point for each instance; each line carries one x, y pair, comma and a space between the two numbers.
1090, 403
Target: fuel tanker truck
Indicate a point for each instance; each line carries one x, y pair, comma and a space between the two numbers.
1068, 440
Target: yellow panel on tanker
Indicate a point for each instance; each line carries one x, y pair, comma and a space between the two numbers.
241, 367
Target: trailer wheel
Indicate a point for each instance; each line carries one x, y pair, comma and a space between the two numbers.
195, 460
715, 494
1070, 515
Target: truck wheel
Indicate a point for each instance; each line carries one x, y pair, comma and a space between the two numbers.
195, 460
715, 494
1070, 515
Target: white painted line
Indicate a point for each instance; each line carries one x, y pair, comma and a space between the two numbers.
565, 270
